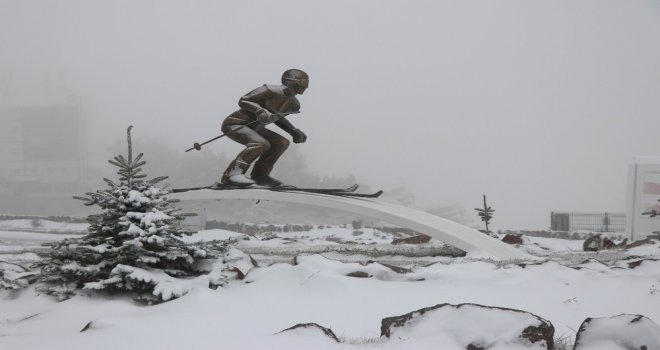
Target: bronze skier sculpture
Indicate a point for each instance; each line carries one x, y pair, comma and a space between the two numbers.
262, 106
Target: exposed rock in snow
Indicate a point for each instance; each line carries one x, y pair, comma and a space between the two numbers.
421, 239
311, 327
593, 244
608, 243
239, 260
358, 274
234, 265
473, 326
597, 243
641, 243
636, 263
622, 332
511, 238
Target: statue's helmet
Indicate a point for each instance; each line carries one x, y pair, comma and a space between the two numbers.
296, 79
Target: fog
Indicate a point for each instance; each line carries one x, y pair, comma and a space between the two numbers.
540, 105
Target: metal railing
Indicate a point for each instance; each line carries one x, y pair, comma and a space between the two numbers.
596, 222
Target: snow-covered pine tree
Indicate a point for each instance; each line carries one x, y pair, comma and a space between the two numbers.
132, 245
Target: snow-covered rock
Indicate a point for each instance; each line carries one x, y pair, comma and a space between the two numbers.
622, 332
472, 326
306, 328
420, 239
239, 260
511, 238
593, 244
383, 272
234, 265
13, 276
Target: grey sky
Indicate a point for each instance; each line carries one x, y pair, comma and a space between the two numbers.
538, 104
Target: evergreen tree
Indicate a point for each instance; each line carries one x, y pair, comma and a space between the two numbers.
132, 246
486, 214
653, 213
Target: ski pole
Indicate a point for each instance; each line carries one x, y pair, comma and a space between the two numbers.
198, 146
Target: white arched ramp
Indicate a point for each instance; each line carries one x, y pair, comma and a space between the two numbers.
467, 239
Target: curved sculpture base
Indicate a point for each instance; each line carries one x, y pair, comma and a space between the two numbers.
470, 240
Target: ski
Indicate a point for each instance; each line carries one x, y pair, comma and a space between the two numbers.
220, 187
180, 190
349, 189
350, 194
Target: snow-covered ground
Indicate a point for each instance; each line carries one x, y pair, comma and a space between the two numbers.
42, 225
21, 247
565, 288
343, 244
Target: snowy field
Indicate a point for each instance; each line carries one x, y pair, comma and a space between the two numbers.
43, 226
565, 286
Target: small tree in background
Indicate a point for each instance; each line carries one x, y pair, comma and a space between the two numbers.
36, 223
653, 213
485, 214
132, 246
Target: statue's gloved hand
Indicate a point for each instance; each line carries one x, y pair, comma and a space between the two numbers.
298, 136
264, 117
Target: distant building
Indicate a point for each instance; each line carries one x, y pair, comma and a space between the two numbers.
643, 196
642, 199
41, 142
593, 222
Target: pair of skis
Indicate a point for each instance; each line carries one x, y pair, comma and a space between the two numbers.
341, 192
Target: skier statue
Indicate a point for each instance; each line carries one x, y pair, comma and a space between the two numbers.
262, 106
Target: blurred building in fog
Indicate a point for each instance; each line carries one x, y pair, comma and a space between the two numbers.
585, 221
643, 196
41, 142
43, 158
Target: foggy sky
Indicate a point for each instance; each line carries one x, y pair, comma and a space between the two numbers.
540, 105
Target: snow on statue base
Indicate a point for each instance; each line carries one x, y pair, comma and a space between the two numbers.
343, 192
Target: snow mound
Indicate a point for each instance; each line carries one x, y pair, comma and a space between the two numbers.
648, 247
370, 270
472, 326
13, 276
620, 332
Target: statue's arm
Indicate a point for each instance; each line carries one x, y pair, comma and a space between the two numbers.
250, 101
285, 125
298, 135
